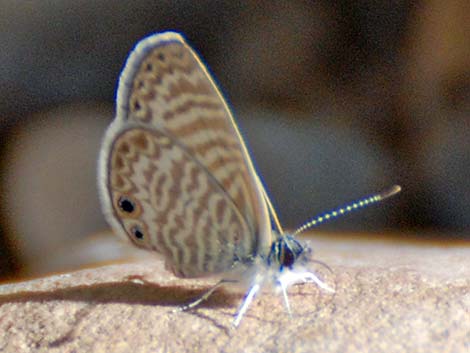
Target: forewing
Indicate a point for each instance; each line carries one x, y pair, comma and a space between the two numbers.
166, 86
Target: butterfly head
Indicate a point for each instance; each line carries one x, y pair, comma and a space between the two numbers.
286, 251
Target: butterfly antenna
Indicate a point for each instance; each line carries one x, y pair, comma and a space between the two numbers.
395, 189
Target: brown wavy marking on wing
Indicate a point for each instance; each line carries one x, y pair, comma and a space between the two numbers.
172, 92
181, 210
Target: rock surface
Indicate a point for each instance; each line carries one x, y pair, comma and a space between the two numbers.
390, 297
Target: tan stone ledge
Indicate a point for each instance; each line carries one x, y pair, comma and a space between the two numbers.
391, 296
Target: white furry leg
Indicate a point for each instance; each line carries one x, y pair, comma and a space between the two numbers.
289, 278
246, 303
286, 297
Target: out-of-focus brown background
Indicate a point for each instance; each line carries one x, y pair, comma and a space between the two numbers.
336, 99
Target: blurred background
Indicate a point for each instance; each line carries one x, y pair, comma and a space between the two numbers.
337, 100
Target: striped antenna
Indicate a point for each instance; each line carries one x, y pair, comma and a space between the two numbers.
385, 194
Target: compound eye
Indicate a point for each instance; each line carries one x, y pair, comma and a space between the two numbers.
288, 257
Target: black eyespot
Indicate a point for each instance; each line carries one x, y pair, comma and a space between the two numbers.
137, 232
161, 56
149, 67
126, 205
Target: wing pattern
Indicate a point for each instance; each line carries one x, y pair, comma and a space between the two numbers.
175, 158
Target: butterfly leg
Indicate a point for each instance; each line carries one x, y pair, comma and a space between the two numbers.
286, 298
290, 278
312, 277
205, 296
246, 303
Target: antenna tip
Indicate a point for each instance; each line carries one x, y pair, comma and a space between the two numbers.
395, 189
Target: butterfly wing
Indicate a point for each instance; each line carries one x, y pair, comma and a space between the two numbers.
165, 200
165, 90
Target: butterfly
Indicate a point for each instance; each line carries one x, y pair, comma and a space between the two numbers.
175, 177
